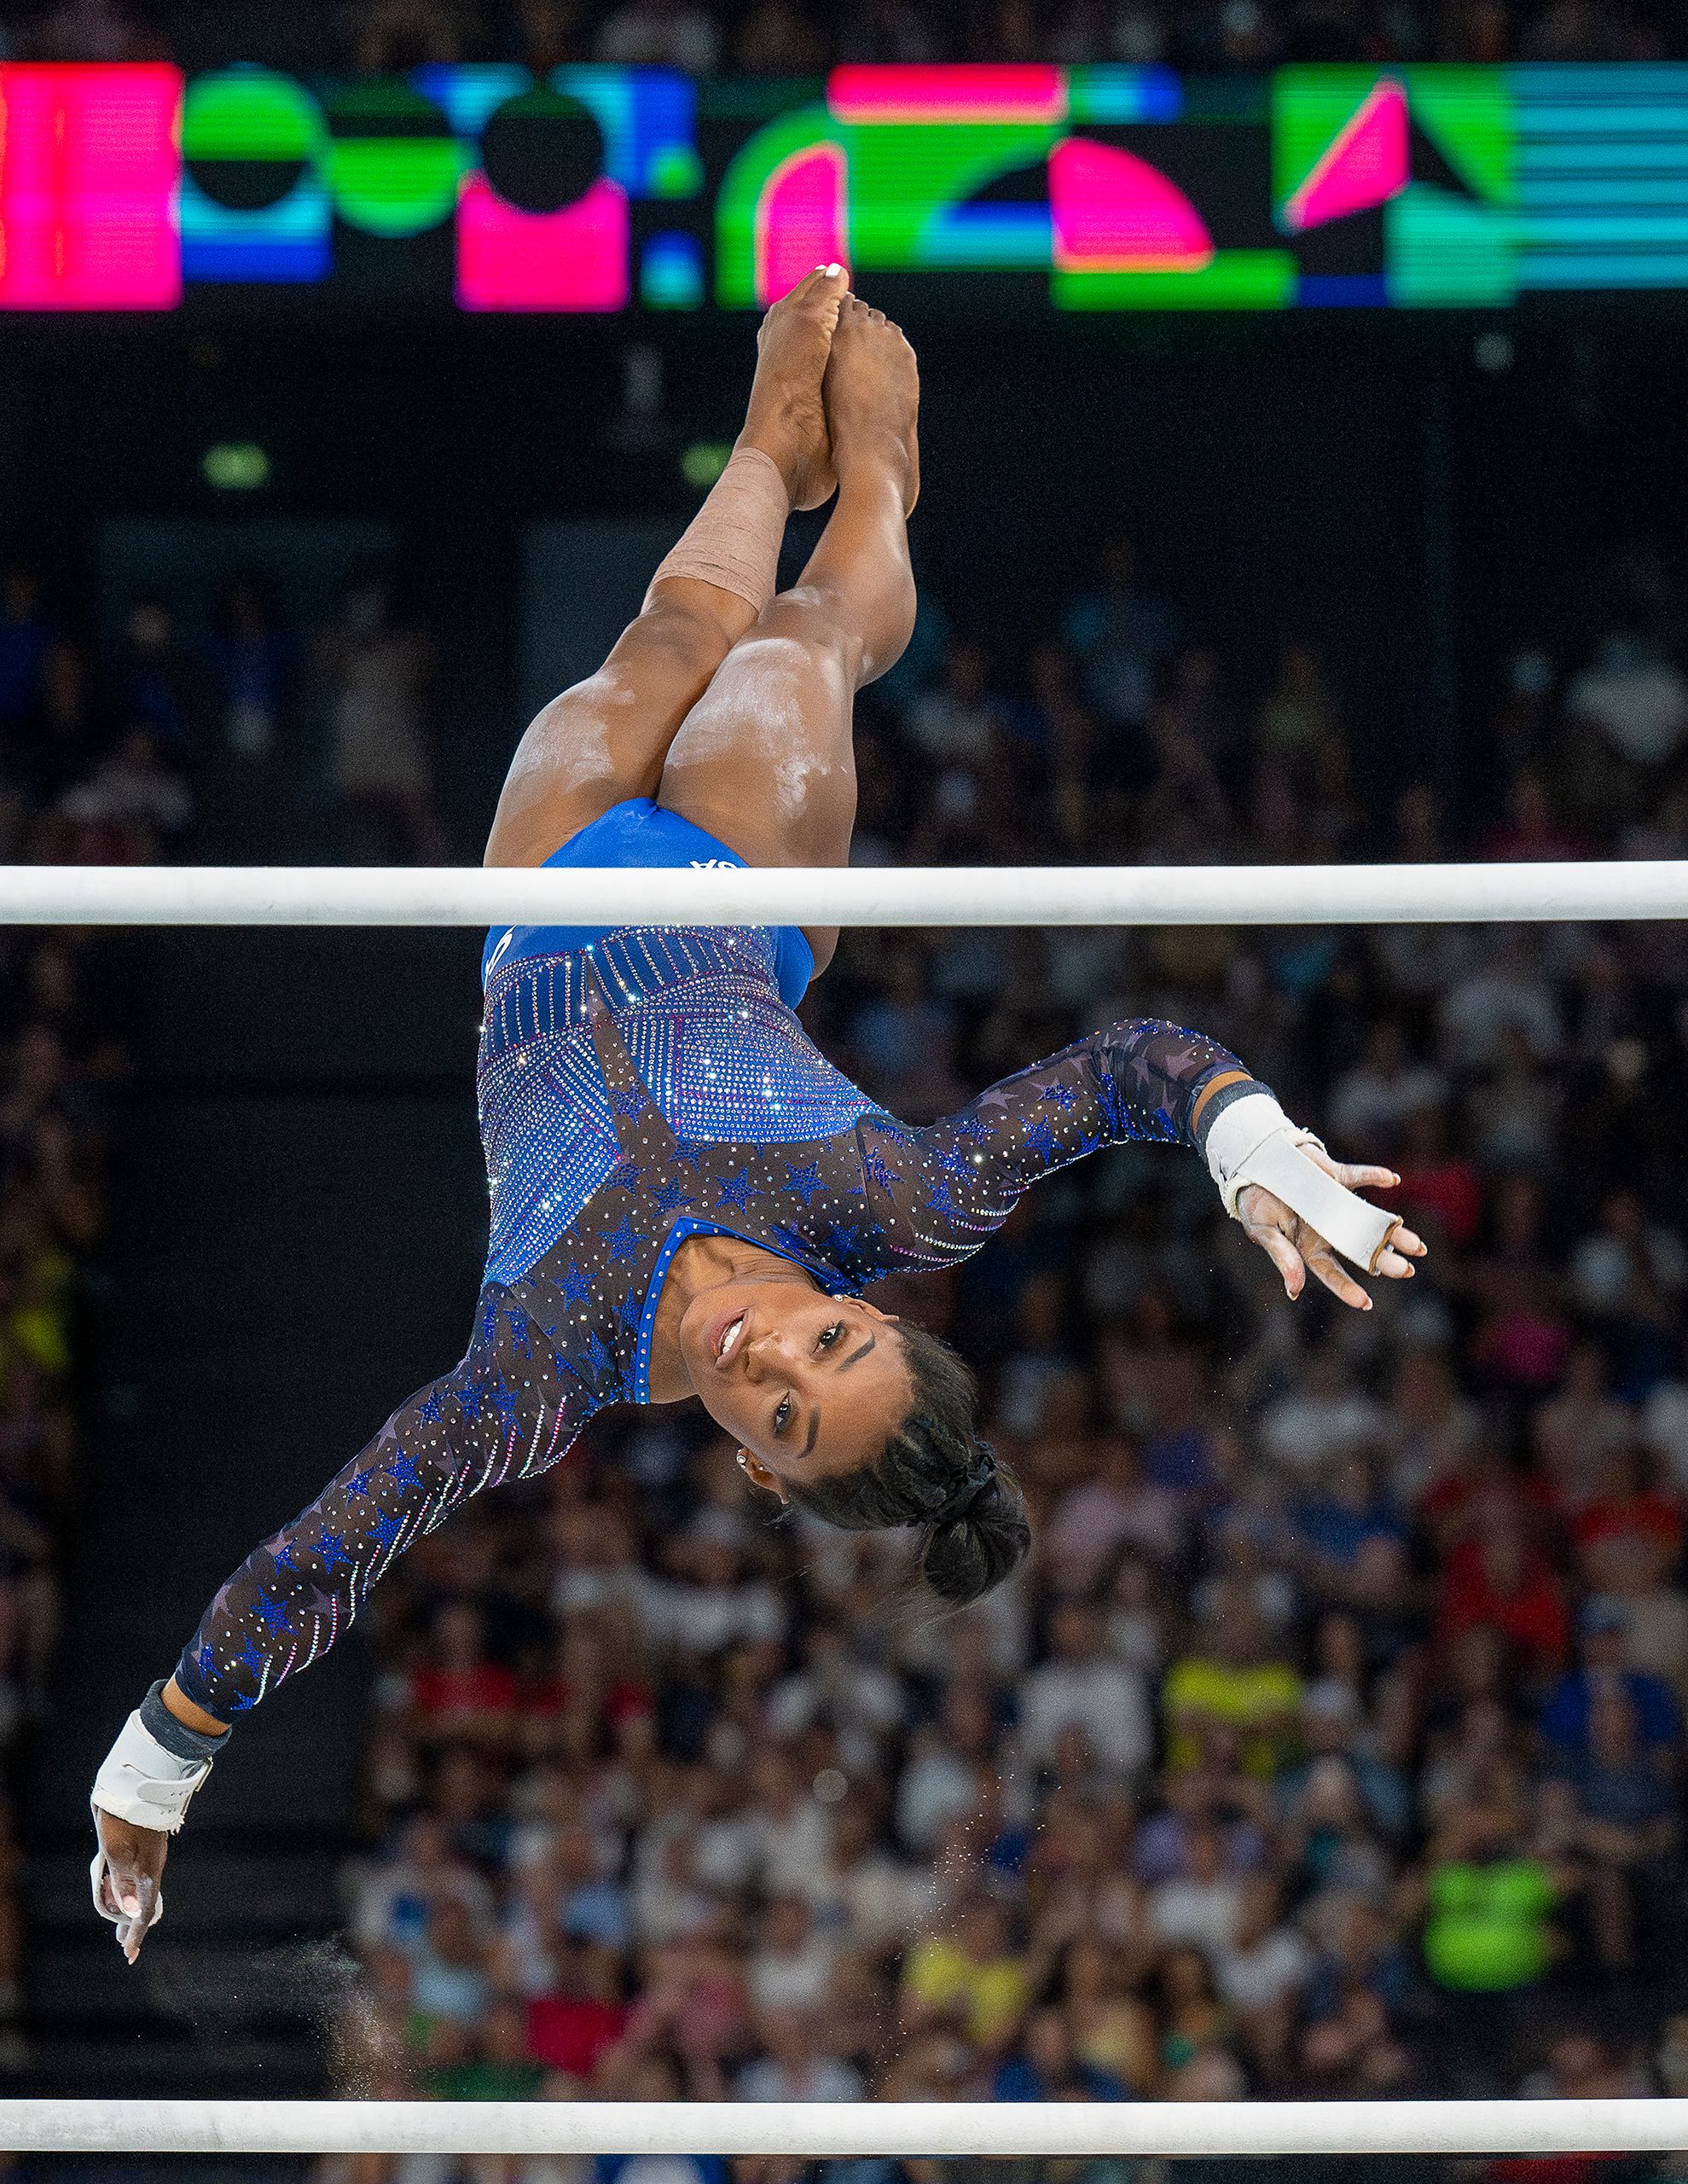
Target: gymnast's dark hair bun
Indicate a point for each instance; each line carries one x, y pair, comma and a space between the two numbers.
965, 1556
935, 1473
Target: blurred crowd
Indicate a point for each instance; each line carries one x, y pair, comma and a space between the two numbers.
65, 1060
803, 37
1330, 1742
154, 744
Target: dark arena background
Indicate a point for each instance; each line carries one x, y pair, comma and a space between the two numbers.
1306, 480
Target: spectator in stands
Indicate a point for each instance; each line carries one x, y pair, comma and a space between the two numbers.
251, 663
1121, 634
1602, 1667
1232, 1688
1081, 1688
648, 33
25, 635
382, 667
1489, 1938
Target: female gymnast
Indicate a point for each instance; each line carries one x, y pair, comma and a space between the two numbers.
687, 1200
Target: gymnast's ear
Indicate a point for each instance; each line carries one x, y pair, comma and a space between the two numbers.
759, 1475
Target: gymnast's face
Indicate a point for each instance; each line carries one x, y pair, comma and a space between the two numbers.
808, 1386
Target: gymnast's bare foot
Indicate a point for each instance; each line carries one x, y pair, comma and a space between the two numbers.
872, 393
786, 419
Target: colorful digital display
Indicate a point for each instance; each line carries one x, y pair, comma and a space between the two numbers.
89, 171
602, 190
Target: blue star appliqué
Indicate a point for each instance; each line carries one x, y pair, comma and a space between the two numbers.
1041, 1140
671, 1197
469, 1396
840, 1240
403, 1471
575, 1371
736, 1190
283, 1560
628, 1105
792, 1240
253, 1657
359, 1485
955, 1162
576, 1287
624, 1176
332, 1549
623, 1242
695, 1155
205, 1662
629, 1312
1061, 1095
886, 1178
521, 1330
805, 1182
274, 1613
432, 1412
387, 1529
489, 1320
596, 1356
941, 1203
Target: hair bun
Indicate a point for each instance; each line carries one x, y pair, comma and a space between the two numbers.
980, 1537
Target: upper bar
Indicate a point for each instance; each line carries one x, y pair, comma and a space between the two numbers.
957, 895
730, 2128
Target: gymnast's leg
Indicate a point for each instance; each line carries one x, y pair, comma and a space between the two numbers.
765, 760
607, 738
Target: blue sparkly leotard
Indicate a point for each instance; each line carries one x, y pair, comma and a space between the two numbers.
646, 1089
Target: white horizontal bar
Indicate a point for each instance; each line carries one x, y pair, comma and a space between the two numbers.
1316, 894
932, 2128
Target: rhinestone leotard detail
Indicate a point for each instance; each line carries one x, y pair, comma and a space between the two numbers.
653, 1088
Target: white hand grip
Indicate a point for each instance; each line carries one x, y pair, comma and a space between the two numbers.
1349, 1223
1253, 1142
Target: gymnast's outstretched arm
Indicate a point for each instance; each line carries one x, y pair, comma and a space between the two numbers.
936, 1193
508, 1411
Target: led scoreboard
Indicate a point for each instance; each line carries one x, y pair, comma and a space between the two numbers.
601, 190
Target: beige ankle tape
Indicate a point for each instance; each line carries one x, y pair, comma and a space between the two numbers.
734, 540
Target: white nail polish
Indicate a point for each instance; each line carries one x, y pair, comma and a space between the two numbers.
830, 269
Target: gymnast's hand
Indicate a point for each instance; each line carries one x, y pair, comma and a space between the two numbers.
1295, 1249
129, 1887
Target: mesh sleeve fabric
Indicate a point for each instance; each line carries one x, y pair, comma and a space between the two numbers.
936, 1193
509, 1411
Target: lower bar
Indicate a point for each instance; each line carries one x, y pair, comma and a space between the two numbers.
928, 2128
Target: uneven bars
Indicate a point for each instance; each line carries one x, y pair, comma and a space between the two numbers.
979, 895
1252, 2128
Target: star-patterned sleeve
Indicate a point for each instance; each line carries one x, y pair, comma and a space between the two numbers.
509, 1411
936, 1193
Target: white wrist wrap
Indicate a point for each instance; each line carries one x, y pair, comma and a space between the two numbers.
141, 1782
1253, 1141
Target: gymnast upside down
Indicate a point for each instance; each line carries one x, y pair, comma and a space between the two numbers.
688, 1198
